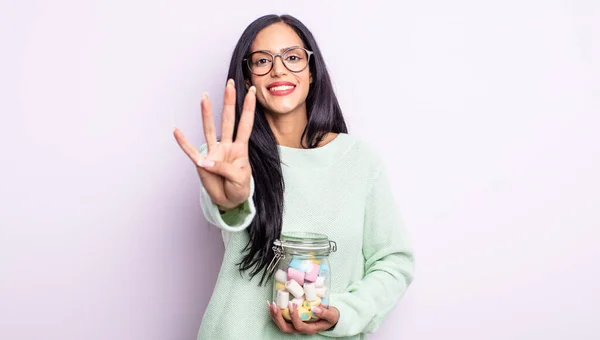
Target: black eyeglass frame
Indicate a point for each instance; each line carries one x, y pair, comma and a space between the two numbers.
273, 56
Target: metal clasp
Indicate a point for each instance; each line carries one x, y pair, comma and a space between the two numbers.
332, 246
279, 255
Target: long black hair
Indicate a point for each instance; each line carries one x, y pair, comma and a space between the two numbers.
324, 116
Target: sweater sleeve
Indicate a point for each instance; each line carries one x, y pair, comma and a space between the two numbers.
234, 220
389, 266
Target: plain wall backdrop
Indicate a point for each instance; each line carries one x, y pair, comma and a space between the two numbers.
486, 114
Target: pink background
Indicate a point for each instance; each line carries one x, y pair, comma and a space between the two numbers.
486, 114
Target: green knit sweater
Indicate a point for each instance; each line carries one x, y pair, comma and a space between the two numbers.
341, 190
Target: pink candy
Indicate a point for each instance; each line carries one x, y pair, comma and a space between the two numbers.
296, 275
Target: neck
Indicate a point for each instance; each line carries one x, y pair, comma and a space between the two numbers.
288, 127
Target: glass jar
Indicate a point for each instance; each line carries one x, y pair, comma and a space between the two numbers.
301, 273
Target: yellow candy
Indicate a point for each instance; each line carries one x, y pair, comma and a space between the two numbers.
316, 302
304, 314
286, 314
306, 305
316, 261
280, 286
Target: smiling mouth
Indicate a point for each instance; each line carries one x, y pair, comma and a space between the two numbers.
281, 90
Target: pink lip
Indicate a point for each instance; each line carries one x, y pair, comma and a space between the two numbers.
281, 83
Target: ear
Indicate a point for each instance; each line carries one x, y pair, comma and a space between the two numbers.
248, 84
310, 80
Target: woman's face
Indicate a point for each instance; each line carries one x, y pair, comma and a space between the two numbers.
280, 91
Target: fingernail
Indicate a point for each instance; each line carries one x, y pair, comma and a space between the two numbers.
230, 83
174, 128
268, 304
204, 96
274, 306
252, 89
206, 164
316, 309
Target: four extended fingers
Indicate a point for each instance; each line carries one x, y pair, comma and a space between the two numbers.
244, 131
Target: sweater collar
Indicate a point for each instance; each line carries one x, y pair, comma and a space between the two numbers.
315, 158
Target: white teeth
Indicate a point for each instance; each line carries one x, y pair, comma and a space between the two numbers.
281, 88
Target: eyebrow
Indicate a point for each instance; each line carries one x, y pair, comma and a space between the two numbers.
281, 50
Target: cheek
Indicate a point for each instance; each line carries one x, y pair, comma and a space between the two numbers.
305, 88
302, 91
305, 83
260, 97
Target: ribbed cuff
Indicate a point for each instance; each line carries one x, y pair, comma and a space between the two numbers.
234, 220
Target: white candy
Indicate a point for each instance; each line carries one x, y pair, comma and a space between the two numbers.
311, 291
282, 299
320, 282
321, 291
298, 301
294, 288
281, 276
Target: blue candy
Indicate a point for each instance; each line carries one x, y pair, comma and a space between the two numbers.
324, 271
297, 264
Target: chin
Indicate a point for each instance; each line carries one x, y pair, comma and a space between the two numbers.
282, 109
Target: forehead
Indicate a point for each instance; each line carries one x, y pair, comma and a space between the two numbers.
275, 38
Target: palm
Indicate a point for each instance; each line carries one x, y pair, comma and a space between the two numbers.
228, 181
220, 188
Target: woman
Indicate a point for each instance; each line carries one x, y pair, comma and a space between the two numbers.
287, 163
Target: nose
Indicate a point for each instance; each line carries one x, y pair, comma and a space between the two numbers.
278, 66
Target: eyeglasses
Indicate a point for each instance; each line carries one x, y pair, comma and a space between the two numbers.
295, 59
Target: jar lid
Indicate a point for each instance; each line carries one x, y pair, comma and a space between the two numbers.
301, 240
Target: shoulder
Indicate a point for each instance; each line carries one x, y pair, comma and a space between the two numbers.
364, 157
363, 150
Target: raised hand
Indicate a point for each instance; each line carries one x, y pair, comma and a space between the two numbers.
225, 172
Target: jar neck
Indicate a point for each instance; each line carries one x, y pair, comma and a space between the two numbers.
303, 247
306, 253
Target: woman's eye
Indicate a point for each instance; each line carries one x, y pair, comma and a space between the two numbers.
261, 61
